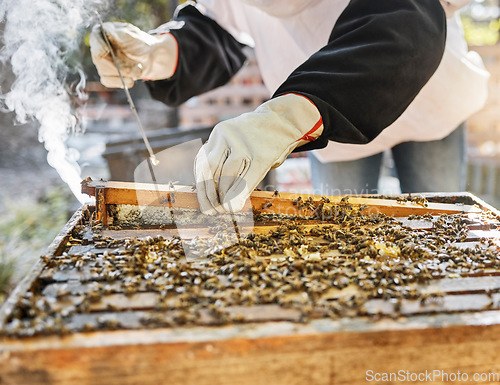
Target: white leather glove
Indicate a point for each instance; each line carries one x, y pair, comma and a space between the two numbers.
240, 151
140, 55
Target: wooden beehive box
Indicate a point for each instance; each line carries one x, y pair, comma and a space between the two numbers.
333, 293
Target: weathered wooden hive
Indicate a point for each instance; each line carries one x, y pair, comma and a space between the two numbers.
142, 288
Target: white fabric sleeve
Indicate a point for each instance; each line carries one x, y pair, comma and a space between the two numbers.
230, 15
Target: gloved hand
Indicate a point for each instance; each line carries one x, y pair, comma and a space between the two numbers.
240, 151
139, 54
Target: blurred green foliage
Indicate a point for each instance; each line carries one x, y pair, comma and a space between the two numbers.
27, 227
144, 14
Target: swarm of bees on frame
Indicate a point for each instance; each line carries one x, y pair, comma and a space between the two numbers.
332, 269
418, 200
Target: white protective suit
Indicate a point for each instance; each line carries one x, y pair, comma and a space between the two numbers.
456, 90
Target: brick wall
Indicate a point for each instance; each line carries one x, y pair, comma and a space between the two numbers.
243, 93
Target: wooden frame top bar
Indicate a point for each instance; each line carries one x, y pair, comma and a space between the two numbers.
159, 195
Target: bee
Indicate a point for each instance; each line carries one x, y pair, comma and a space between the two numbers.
94, 296
88, 327
266, 205
79, 264
424, 299
111, 307
62, 292
108, 323
276, 194
325, 199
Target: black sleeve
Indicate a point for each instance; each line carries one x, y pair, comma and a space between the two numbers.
378, 57
208, 57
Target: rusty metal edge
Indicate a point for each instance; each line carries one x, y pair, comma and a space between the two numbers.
55, 248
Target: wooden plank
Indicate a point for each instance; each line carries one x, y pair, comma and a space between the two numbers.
438, 286
59, 275
285, 204
202, 231
475, 235
463, 285
139, 319
320, 352
75, 287
101, 199
146, 194
441, 304
120, 302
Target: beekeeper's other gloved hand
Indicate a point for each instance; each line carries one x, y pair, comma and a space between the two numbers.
140, 55
240, 151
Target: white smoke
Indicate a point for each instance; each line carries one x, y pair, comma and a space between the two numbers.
39, 38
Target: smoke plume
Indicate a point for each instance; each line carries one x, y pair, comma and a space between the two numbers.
39, 39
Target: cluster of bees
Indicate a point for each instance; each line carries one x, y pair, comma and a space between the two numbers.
418, 200
326, 270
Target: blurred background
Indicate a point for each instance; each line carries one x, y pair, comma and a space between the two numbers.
35, 203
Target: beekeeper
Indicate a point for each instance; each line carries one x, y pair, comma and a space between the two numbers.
349, 79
